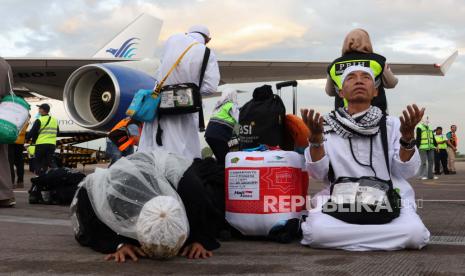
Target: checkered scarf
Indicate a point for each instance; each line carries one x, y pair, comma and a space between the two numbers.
346, 126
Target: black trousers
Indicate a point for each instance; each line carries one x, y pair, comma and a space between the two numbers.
220, 149
44, 158
16, 159
440, 158
92, 232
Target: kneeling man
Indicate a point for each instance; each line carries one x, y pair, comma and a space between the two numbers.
348, 144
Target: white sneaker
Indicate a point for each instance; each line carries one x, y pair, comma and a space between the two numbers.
424, 178
435, 177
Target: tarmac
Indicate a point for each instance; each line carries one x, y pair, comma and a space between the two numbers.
38, 239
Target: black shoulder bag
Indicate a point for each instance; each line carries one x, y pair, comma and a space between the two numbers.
365, 200
182, 98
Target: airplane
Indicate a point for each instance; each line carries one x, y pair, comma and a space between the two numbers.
97, 91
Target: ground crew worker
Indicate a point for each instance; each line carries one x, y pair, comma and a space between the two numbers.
16, 158
427, 145
122, 139
440, 155
44, 133
221, 125
452, 148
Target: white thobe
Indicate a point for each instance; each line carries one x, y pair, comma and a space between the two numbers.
324, 231
180, 132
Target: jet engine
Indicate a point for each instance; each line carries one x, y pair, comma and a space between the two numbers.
96, 96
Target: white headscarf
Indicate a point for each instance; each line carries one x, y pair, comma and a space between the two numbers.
228, 95
200, 29
354, 68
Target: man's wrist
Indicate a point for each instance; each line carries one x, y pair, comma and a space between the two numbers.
407, 144
121, 245
316, 139
407, 137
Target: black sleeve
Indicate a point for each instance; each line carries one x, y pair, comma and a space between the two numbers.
418, 137
34, 132
435, 143
93, 232
198, 206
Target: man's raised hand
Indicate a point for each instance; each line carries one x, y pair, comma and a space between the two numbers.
409, 120
314, 122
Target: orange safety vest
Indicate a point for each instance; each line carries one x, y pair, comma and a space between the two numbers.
119, 135
454, 139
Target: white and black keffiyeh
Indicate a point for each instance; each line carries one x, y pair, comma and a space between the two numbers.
347, 126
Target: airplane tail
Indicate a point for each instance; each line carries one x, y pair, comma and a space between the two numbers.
137, 40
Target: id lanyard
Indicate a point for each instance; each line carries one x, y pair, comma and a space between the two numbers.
371, 155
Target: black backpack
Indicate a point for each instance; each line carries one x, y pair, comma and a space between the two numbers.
261, 119
56, 187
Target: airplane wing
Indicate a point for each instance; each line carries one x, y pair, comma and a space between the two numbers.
264, 71
48, 76
435, 69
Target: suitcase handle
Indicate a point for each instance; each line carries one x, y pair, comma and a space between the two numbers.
286, 84
294, 92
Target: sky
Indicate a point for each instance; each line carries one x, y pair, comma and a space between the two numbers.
403, 31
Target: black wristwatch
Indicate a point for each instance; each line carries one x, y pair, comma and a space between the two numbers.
408, 145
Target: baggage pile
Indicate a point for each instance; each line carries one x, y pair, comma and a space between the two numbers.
266, 183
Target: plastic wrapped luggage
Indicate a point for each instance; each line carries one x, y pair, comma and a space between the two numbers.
264, 190
14, 113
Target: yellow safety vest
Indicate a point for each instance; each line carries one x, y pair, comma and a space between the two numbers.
427, 136
223, 115
47, 132
31, 149
439, 139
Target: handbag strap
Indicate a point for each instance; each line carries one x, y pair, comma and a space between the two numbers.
160, 85
206, 57
41, 129
384, 141
11, 86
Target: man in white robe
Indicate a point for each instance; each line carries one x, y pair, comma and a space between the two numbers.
180, 132
352, 159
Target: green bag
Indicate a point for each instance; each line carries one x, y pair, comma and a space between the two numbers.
14, 112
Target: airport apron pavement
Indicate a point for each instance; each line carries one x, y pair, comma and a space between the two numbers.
38, 239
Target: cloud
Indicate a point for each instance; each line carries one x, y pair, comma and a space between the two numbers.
317, 84
421, 43
236, 27
70, 25
257, 36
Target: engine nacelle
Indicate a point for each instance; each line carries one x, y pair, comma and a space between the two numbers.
96, 96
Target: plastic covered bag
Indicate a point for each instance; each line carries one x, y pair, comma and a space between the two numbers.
159, 221
119, 193
14, 112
